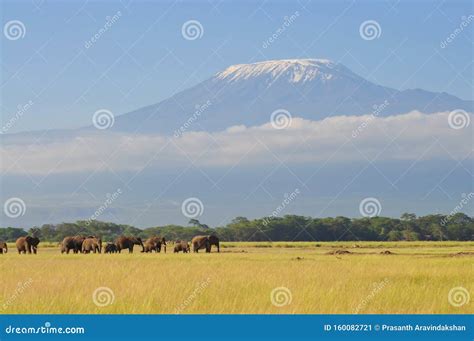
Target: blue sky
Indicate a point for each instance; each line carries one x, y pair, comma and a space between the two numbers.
143, 58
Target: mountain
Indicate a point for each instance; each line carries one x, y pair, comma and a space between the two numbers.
247, 94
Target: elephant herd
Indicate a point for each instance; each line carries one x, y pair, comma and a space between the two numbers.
83, 244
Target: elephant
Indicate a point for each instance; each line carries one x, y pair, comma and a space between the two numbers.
110, 248
92, 244
73, 243
181, 246
123, 242
205, 242
3, 247
154, 244
27, 244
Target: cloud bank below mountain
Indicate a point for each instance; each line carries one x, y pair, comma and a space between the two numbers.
412, 136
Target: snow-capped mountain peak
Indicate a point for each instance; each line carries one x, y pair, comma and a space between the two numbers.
294, 70
247, 94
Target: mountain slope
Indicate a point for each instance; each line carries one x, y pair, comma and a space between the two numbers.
309, 88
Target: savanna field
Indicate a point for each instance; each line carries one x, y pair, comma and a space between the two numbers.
248, 278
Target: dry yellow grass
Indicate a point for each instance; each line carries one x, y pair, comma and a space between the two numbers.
415, 279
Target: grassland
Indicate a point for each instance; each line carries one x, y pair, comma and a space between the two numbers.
415, 278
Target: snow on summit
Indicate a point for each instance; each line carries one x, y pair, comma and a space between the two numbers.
295, 70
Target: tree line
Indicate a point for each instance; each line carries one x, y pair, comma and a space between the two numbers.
288, 228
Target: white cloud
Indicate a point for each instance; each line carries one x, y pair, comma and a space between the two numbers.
412, 136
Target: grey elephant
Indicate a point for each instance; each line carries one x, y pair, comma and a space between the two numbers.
123, 242
3, 247
155, 243
181, 246
73, 243
205, 242
111, 248
92, 244
27, 244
